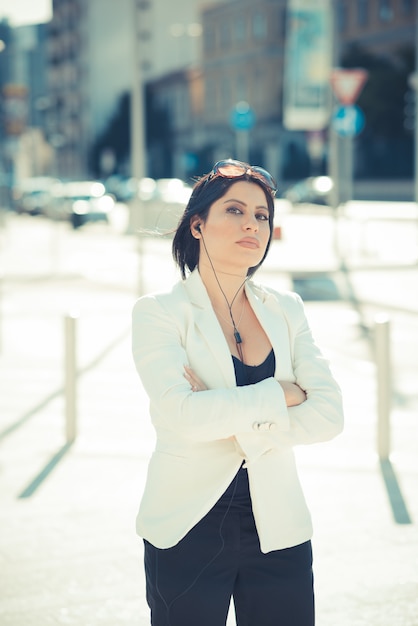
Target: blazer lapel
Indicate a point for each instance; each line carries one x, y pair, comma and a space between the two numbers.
271, 317
268, 311
207, 324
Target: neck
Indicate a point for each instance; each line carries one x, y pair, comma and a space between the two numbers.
224, 288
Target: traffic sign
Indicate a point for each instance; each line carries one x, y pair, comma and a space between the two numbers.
347, 84
242, 116
348, 121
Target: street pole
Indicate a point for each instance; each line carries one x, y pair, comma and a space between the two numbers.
137, 104
346, 182
242, 143
138, 150
416, 111
334, 143
242, 120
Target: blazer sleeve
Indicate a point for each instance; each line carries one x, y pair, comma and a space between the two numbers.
159, 356
320, 417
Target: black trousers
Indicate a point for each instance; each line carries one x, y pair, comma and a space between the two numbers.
192, 583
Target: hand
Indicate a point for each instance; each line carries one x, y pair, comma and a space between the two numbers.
293, 394
196, 383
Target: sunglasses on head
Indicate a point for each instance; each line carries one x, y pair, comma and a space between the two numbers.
236, 169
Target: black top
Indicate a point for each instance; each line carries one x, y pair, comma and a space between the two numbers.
237, 496
250, 374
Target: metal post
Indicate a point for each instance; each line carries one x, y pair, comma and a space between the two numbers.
384, 384
1, 313
347, 177
242, 145
70, 384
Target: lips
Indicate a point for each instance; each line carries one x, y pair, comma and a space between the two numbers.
249, 242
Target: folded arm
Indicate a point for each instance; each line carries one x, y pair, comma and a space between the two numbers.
305, 410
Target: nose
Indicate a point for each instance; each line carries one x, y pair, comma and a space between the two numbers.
251, 223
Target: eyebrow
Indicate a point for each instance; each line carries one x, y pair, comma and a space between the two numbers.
261, 206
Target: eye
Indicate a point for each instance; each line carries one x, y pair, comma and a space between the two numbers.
234, 209
263, 217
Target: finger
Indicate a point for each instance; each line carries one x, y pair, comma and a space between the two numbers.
192, 382
196, 383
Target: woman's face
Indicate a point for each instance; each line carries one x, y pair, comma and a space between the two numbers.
237, 229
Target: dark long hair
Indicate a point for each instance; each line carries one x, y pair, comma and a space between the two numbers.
207, 190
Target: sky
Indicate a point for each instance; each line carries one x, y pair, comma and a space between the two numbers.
20, 12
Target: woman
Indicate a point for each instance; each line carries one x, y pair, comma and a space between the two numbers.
235, 380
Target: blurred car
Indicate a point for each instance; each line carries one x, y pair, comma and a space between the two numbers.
32, 195
166, 190
80, 202
122, 188
312, 190
163, 199
173, 190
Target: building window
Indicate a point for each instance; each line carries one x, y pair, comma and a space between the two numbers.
226, 93
224, 35
144, 5
258, 87
407, 6
240, 87
144, 35
209, 37
385, 10
210, 96
239, 29
342, 16
259, 26
182, 106
362, 12
283, 23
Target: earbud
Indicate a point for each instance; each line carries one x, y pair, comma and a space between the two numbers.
198, 228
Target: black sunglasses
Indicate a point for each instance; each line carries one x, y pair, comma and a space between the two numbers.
235, 169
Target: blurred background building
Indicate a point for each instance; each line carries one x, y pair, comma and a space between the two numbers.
200, 68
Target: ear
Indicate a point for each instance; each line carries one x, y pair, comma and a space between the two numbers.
195, 224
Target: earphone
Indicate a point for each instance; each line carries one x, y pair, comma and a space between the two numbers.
169, 605
237, 336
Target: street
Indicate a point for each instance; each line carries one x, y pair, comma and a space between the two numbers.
51, 271
380, 275
68, 552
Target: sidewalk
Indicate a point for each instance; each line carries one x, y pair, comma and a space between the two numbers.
68, 550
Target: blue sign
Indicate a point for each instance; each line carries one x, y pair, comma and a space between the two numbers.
242, 117
348, 121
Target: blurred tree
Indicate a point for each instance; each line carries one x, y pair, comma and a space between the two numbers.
115, 137
159, 137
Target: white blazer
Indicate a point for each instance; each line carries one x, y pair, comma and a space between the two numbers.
204, 437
